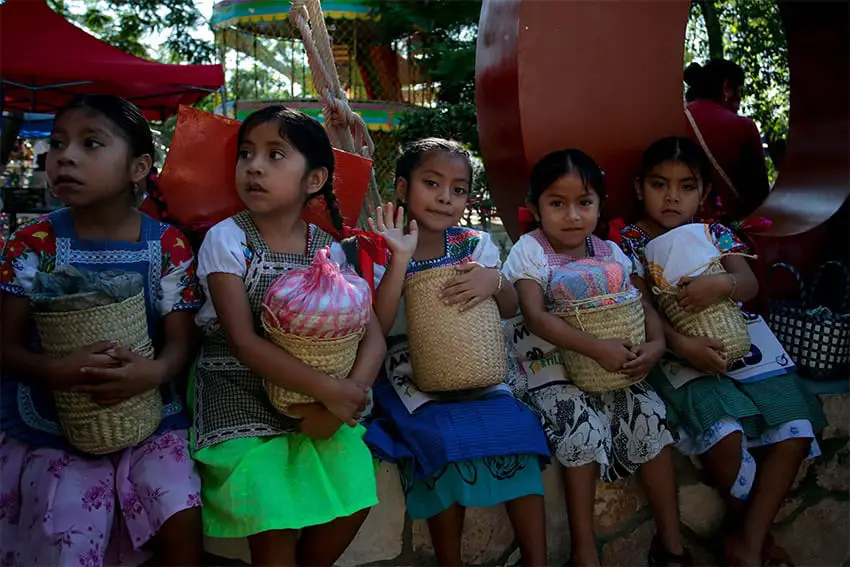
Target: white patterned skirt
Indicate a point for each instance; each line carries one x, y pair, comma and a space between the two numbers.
620, 430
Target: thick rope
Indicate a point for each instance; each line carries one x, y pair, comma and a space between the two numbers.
346, 128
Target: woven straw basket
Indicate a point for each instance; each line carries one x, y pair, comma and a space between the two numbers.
624, 321
335, 357
722, 321
449, 349
88, 426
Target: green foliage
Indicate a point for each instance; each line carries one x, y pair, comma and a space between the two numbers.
444, 42
444, 47
125, 23
752, 37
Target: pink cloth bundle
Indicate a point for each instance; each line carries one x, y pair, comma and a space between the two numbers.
321, 301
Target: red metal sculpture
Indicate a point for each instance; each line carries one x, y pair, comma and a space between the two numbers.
607, 78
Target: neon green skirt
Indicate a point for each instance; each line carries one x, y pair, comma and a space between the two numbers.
256, 484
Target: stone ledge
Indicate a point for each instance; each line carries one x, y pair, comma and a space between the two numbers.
813, 523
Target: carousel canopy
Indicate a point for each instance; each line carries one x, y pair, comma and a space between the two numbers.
256, 12
45, 60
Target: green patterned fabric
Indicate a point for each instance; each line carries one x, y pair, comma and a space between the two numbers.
248, 412
758, 406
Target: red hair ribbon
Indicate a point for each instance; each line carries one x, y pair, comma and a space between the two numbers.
614, 228
526, 219
371, 249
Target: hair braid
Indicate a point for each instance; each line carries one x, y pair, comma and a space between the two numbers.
333, 207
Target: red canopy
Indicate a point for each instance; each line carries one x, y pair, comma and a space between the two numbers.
45, 60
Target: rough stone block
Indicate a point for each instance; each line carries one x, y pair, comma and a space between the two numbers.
631, 549
615, 503
819, 536
789, 507
487, 535
833, 474
701, 509
380, 536
837, 410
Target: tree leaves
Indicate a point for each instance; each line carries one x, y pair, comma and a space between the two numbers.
125, 24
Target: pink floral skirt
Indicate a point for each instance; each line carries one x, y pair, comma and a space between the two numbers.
58, 508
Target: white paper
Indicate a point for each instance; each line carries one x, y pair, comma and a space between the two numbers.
541, 361
767, 358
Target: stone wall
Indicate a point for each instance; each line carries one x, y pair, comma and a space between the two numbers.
813, 525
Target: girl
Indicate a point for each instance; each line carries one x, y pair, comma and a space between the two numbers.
751, 437
612, 434
261, 477
452, 454
59, 507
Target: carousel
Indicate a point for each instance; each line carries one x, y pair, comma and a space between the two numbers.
266, 62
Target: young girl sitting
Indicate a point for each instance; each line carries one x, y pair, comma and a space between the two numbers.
57, 506
262, 478
614, 433
751, 437
452, 454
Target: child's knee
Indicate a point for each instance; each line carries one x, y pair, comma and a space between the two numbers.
183, 528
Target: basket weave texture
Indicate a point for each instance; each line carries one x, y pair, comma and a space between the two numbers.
722, 321
88, 426
624, 321
335, 357
452, 350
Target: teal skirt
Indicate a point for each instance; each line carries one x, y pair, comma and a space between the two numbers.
476, 482
758, 406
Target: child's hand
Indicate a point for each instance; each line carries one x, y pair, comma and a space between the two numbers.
316, 421
346, 400
647, 355
703, 354
471, 286
133, 375
391, 227
612, 355
66, 372
703, 291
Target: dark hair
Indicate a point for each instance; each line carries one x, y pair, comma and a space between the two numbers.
678, 149
126, 116
413, 153
556, 165
707, 81
309, 138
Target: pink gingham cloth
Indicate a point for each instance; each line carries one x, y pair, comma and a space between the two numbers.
320, 301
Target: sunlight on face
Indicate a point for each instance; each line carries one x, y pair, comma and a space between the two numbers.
568, 211
438, 190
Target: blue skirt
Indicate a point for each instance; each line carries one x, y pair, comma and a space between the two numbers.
441, 433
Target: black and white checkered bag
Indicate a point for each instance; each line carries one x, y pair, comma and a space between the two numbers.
814, 331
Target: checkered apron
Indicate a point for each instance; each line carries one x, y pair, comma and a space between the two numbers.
231, 401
